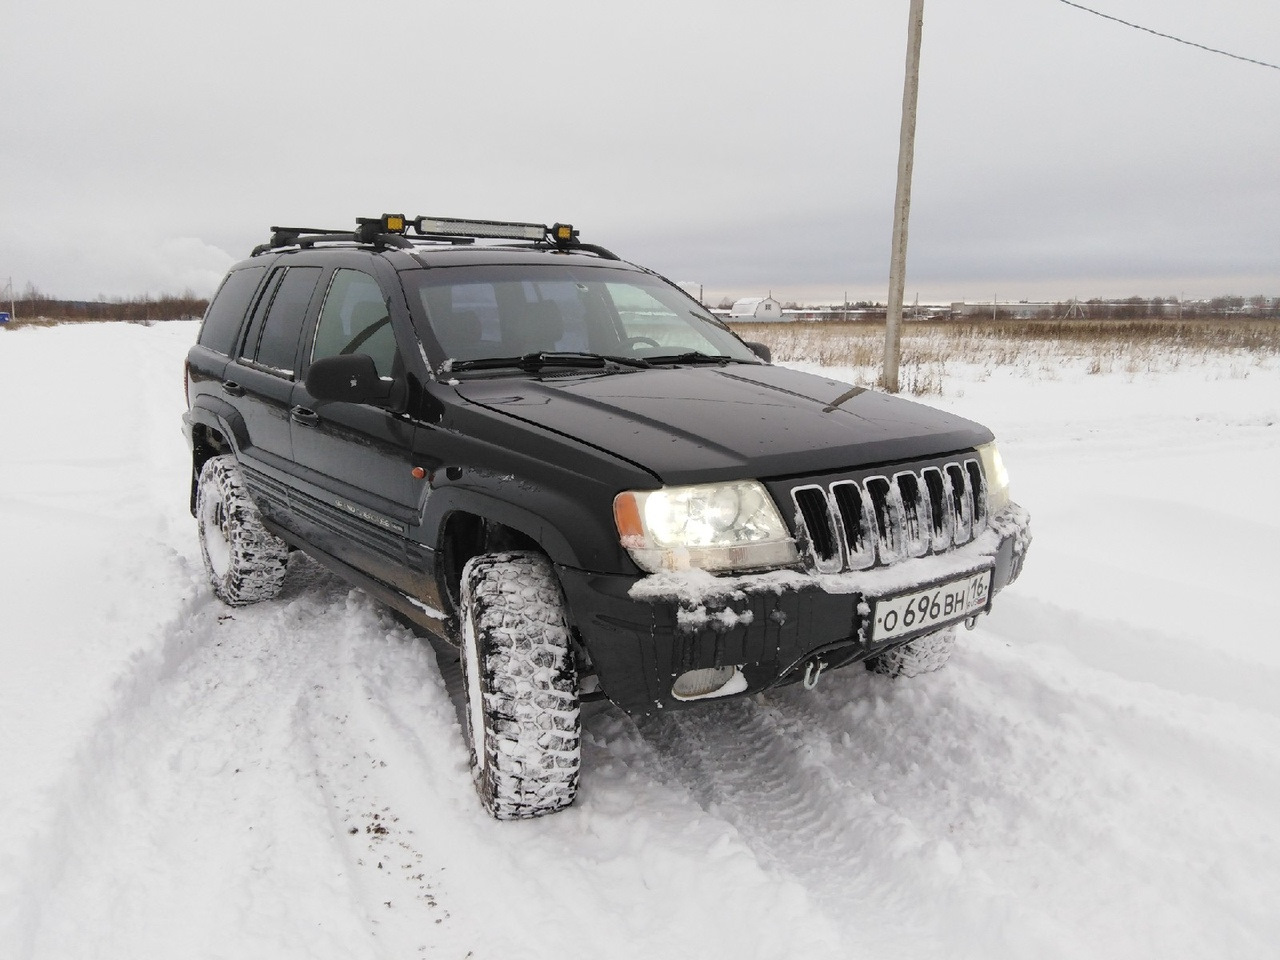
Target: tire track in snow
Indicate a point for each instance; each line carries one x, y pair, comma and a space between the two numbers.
1007, 805
1114, 792
212, 807
785, 775
217, 818
93, 655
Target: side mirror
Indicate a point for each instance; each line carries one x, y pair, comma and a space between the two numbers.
349, 378
760, 350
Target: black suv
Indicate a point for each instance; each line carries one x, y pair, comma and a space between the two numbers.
567, 467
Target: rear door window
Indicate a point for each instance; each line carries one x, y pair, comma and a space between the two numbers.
277, 324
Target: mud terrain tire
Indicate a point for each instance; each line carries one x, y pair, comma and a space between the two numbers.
921, 655
244, 562
523, 720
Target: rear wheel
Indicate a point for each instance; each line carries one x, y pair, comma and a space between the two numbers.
921, 655
244, 562
523, 720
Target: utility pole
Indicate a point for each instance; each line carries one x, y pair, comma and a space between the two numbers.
902, 200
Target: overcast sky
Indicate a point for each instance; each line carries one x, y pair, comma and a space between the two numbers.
747, 146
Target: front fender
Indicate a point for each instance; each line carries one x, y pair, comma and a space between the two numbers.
529, 510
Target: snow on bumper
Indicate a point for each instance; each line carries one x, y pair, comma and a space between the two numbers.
644, 632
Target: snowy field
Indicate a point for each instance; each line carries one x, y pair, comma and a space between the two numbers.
1096, 774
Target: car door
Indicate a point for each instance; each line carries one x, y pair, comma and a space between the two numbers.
354, 461
261, 378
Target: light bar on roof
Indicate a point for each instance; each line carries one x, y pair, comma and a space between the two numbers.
487, 229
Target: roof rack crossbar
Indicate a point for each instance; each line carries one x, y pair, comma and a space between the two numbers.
452, 230
309, 230
451, 238
602, 252
287, 237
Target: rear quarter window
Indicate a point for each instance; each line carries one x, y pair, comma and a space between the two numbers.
222, 319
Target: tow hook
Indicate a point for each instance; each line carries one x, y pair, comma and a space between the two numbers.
971, 622
812, 671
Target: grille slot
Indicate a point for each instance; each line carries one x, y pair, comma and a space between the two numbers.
819, 530
941, 514
854, 525
915, 526
886, 503
978, 493
961, 502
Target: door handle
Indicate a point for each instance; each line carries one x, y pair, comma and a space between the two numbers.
304, 416
232, 388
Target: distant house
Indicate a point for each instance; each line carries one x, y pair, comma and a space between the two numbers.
756, 308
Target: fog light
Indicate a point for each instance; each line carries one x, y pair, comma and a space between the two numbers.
709, 682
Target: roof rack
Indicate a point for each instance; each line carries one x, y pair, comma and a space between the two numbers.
392, 230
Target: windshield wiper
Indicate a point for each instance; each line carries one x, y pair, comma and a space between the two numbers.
695, 356
533, 362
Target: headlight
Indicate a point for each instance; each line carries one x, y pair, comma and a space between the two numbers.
997, 477
714, 526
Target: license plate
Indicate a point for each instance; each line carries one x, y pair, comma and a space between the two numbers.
934, 606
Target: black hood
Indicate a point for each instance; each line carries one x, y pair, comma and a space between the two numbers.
705, 423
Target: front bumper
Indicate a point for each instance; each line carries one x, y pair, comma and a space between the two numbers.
642, 633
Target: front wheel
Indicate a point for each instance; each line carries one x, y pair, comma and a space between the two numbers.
523, 720
921, 655
245, 563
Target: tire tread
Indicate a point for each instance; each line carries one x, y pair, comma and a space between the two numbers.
258, 558
532, 735
919, 656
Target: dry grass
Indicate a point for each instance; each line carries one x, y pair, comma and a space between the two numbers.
38, 322
1041, 347
25, 322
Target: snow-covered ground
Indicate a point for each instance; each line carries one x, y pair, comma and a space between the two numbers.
1096, 774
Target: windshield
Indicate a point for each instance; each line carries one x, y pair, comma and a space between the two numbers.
490, 312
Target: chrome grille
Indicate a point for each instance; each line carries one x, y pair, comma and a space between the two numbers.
881, 519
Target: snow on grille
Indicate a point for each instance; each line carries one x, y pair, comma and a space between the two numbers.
852, 525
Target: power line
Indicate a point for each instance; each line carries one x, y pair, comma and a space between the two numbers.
1189, 43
